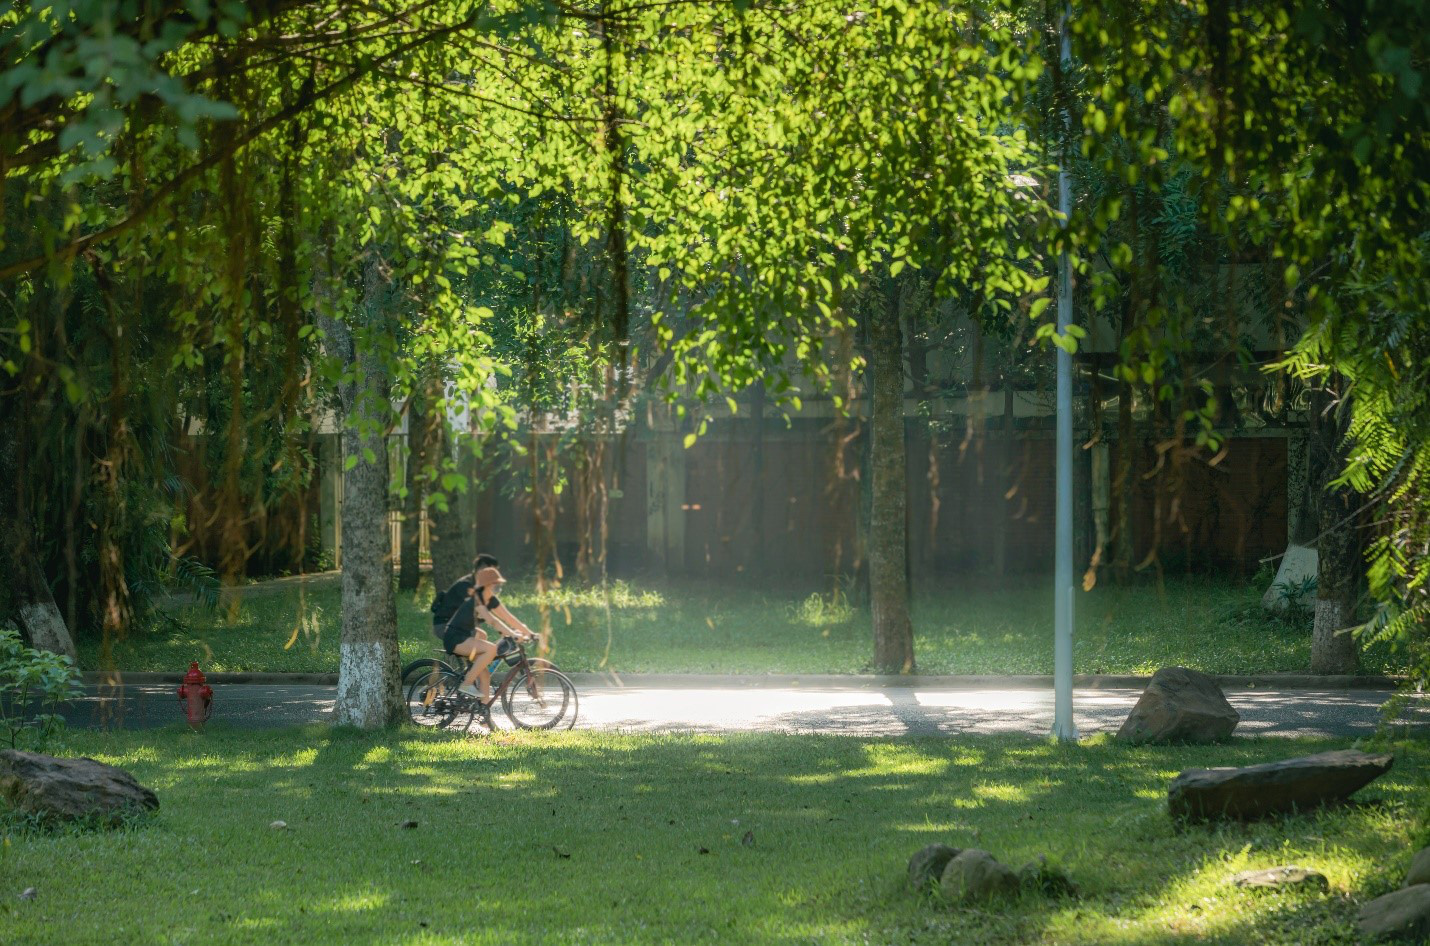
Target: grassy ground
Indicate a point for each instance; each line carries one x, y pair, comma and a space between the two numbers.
601, 838
1214, 626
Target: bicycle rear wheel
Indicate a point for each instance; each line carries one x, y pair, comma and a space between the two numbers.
432, 700
540, 698
420, 668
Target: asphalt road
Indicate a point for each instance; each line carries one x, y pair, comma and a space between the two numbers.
859, 710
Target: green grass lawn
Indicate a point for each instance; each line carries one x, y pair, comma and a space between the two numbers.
621, 839
1214, 626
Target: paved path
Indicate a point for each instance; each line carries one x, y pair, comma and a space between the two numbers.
848, 710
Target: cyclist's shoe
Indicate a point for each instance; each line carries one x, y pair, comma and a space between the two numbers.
468, 689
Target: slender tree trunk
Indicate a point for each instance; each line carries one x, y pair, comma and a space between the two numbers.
369, 688
410, 567
30, 595
1339, 561
757, 497
450, 534
923, 480
888, 526
1124, 476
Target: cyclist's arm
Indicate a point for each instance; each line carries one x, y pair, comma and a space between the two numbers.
510, 620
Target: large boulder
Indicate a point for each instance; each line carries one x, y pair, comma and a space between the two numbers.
1404, 914
1273, 787
927, 864
975, 875
1180, 705
71, 789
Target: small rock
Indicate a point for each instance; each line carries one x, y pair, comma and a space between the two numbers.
1041, 877
1278, 877
278, 825
28, 893
409, 824
927, 864
975, 875
1404, 914
1419, 872
1180, 705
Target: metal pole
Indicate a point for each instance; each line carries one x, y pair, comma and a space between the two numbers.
1064, 729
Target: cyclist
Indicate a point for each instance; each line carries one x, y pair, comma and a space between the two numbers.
464, 638
446, 603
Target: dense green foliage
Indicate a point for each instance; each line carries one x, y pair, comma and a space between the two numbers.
690, 197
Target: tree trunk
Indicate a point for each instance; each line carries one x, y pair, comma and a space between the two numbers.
888, 526
1124, 480
410, 567
369, 688
757, 496
30, 595
450, 533
1339, 560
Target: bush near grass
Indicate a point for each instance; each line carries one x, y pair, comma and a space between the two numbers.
1212, 625
639, 839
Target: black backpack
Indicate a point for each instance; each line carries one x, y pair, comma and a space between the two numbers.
446, 603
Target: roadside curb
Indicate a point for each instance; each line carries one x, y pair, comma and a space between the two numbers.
697, 681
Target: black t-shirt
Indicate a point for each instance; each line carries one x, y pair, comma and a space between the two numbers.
446, 603
465, 618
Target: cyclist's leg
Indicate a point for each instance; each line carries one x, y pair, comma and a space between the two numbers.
480, 652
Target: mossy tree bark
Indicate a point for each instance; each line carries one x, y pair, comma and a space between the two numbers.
888, 524
369, 685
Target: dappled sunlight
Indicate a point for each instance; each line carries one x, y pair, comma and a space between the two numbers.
356, 902
653, 826
1000, 791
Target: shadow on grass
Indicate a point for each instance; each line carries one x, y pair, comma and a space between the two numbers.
597, 838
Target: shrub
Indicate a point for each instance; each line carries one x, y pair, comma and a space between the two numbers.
32, 685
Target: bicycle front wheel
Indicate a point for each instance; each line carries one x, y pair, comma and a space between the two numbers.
539, 698
432, 699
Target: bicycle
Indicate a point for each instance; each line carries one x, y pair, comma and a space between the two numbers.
423, 667
532, 695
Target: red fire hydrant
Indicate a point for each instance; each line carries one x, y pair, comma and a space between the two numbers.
197, 697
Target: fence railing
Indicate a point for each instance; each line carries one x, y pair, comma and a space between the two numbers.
396, 522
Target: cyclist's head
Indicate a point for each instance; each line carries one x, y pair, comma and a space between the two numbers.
484, 561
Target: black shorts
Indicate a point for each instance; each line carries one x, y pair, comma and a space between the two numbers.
453, 637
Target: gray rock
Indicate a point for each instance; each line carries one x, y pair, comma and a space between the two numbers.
71, 789
1419, 872
1180, 705
1282, 877
1273, 787
927, 864
975, 875
1404, 914
1041, 877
